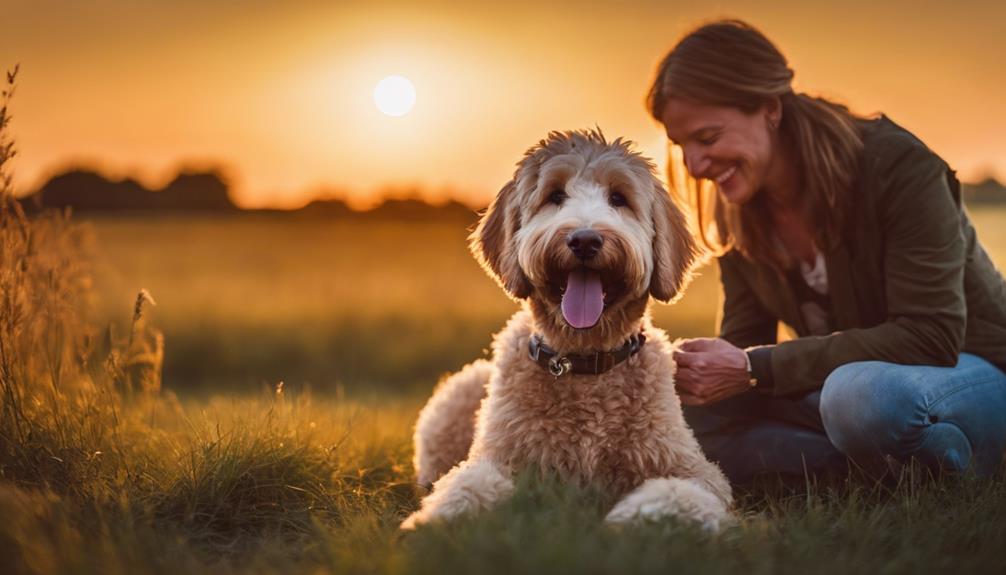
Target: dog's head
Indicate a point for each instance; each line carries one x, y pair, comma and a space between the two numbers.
585, 228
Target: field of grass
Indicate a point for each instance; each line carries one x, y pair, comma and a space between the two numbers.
102, 470
297, 485
256, 299
250, 300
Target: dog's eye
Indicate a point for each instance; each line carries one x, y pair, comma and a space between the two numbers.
617, 200
557, 197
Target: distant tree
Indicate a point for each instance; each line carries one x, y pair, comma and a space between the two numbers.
987, 191
86, 190
196, 191
418, 210
329, 208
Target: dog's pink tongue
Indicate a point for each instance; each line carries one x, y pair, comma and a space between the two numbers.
583, 301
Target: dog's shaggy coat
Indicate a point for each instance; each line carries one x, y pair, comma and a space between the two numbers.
623, 429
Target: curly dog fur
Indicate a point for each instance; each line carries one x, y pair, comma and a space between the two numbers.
622, 429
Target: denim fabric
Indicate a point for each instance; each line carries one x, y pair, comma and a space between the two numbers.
951, 418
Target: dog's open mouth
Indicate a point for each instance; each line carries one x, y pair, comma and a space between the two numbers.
584, 295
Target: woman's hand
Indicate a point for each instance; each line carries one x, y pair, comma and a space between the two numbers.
710, 370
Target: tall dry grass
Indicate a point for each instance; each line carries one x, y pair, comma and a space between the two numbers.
63, 382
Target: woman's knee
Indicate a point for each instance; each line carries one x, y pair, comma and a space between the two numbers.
873, 408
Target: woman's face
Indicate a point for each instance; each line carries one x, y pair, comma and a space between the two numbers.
731, 147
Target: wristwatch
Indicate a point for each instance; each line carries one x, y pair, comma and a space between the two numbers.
751, 379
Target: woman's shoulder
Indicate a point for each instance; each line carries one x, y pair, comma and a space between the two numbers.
896, 159
885, 143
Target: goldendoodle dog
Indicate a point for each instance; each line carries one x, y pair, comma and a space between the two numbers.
580, 384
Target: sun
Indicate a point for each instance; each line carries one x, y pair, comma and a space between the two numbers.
395, 95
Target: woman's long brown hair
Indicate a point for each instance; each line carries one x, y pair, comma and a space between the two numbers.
730, 63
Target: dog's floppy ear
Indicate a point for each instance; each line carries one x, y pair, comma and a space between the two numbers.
493, 243
674, 249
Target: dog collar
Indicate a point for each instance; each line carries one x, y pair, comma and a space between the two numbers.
590, 364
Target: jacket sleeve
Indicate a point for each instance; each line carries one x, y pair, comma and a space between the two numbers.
923, 278
743, 321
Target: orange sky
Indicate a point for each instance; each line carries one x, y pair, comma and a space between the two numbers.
279, 93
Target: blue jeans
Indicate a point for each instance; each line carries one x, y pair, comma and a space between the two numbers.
950, 418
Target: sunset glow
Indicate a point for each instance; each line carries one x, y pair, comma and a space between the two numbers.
282, 95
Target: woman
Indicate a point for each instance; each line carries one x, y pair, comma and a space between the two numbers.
850, 231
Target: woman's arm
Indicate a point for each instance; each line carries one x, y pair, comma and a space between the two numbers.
743, 320
923, 275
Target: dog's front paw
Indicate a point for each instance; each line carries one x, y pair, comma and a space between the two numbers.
431, 512
661, 498
470, 487
412, 521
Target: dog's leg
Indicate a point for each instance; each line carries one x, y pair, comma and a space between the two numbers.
664, 497
472, 486
695, 467
446, 424
699, 492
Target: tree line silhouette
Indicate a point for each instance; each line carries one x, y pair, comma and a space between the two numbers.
86, 190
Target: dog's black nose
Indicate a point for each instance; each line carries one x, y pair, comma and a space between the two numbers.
585, 243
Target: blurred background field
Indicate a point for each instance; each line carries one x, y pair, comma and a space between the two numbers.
248, 300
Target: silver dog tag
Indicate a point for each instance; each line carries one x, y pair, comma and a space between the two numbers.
559, 365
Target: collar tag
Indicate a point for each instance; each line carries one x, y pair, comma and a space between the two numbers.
559, 365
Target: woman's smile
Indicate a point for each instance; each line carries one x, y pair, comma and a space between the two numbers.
730, 183
725, 176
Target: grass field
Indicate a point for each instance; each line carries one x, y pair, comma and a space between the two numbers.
103, 471
297, 485
259, 299
256, 299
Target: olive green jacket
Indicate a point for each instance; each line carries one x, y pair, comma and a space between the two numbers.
909, 284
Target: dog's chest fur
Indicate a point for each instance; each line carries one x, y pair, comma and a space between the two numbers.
614, 429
